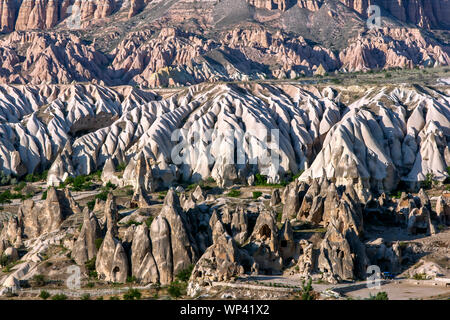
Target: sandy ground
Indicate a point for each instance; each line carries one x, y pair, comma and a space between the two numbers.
396, 290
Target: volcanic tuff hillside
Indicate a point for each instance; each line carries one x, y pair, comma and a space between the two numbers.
88, 131
358, 144
375, 135
172, 43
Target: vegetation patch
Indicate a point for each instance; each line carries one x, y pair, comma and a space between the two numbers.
234, 193
257, 194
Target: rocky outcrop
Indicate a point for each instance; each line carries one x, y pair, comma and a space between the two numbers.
314, 133
143, 264
282, 5
431, 14
8, 11
306, 262
442, 211
111, 214
387, 256
161, 249
419, 221
342, 254
39, 219
184, 250
135, 7
312, 205
138, 174
311, 5
275, 197
335, 259
239, 226
112, 261
11, 233
291, 202
386, 48
85, 247
221, 262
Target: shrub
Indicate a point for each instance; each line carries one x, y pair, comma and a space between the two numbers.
121, 167
59, 296
114, 298
210, 180
296, 176
429, 179
175, 289
90, 265
234, 193
420, 276
149, 221
336, 81
102, 196
44, 295
379, 296
132, 294
99, 298
110, 185
131, 222
185, 274
81, 183
91, 205
44, 195
90, 284
257, 194
86, 296
39, 280
397, 194
260, 180
131, 279
97, 174
307, 291
4, 260
20, 186
279, 216
98, 243
35, 177
7, 196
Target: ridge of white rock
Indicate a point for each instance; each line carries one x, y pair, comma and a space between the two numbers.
384, 135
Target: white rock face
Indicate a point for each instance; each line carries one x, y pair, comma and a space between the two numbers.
370, 137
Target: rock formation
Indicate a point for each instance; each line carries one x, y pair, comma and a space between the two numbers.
39, 219
161, 249
143, 265
112, 261
85, 248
